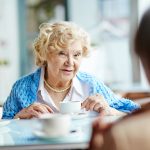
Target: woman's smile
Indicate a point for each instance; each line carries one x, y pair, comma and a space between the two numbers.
67, 71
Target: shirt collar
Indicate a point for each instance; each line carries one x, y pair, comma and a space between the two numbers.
41, 83
76, 84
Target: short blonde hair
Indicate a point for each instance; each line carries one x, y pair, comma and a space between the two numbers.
57, 36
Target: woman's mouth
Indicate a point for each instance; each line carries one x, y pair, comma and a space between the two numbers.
67, 71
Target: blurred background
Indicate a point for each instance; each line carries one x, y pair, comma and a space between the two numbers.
110, 23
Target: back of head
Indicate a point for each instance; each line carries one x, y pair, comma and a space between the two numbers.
58, 36
142, 38
142, 42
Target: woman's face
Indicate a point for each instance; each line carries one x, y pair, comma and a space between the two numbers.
63, 65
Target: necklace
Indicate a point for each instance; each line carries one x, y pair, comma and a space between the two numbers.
56, 90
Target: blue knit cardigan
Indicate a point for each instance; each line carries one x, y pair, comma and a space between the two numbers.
24, 93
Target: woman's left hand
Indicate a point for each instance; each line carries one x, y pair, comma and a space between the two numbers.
99, 104
96, 103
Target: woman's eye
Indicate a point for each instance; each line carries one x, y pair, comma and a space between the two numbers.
77, 54
61, 53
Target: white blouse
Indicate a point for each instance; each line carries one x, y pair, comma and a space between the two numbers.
78, 92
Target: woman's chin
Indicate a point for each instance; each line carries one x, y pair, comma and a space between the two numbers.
67, 74
68, 77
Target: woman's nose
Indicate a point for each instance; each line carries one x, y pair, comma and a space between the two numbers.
70, 60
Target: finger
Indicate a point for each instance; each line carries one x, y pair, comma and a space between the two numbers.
98, 108
23, 116
84, 103
87, 106
43, 108
48, 108
34, 113
92, 105
40, 108
88, 102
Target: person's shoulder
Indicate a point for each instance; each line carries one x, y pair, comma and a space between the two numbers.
130, 125
27, 79
87, 77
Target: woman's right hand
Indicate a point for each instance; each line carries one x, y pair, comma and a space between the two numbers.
34, 110
99, 128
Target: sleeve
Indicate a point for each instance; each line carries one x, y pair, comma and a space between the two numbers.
10, 107
121, 104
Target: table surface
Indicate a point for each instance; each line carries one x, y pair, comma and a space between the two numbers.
20, 134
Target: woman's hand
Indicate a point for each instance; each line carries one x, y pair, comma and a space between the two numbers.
34, 110
99, 128
96, 103
99, 104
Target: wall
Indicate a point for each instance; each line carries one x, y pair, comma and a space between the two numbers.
104, 61
9, 51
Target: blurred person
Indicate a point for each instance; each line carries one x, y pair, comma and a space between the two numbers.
59, 49
132, 132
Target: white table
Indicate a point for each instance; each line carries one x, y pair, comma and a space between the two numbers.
19, 135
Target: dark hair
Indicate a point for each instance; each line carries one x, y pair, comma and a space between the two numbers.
142, 38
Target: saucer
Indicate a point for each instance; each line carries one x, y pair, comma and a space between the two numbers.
4, 122
73, 134
79, 115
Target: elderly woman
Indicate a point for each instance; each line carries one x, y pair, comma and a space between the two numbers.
59, 50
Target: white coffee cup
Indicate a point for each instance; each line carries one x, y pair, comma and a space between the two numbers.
55, 125
69, 107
